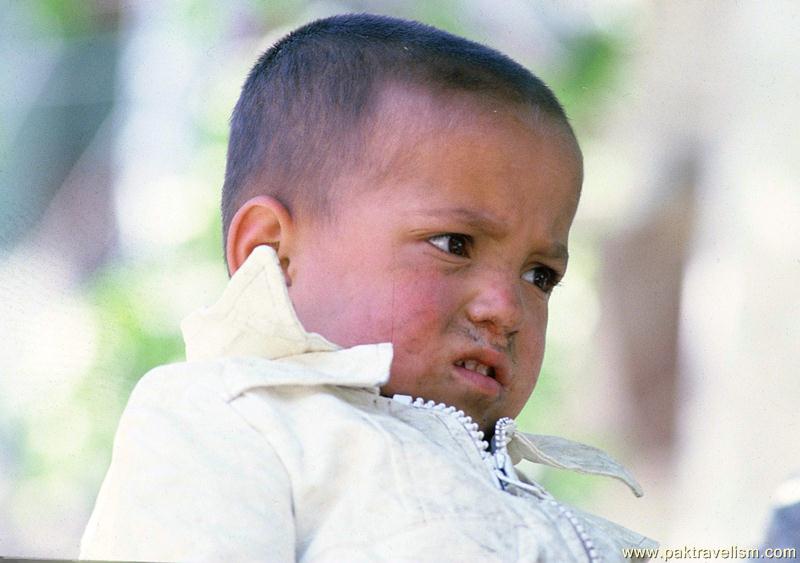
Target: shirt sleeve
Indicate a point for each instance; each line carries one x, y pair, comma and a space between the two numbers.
190, 479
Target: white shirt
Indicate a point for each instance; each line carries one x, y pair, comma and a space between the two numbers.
270, 443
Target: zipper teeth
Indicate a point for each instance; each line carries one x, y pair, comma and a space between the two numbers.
501, 440
471, 426
588, 544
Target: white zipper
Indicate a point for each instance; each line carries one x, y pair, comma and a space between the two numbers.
498, 461
503, 466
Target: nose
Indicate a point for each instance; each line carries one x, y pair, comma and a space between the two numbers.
497, 306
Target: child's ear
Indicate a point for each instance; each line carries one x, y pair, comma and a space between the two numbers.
260, 220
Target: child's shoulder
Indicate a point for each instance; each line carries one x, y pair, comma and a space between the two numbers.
262, 394
191, 384
231, 377
180, 395
198, 386
183, 454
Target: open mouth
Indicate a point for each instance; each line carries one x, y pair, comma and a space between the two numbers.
477, 367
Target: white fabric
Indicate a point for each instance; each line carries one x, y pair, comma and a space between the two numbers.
273, 444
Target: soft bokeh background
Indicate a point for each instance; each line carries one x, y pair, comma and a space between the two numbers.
674, 340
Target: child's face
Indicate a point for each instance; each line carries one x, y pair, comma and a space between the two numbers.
451, 259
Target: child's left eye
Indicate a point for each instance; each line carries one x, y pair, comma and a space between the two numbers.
542, 277
452, 243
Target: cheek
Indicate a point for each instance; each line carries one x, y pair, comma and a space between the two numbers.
530, 345
529, 352
422, 310
344, 301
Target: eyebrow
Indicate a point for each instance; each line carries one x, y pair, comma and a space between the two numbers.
492, 226
473, 218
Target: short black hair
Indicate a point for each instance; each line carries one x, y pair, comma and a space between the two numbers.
299, 117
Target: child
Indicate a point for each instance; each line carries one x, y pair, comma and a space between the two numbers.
396, 206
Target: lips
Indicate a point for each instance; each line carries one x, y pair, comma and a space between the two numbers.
476, 366
485, 362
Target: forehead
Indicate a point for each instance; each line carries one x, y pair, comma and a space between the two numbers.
474, 151
409, 121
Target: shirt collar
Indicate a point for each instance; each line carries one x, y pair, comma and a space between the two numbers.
567, 454
255, 317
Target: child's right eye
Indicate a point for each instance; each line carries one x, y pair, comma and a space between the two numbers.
452, 243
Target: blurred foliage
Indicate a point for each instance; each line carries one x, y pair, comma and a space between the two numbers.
585, 73
445, 14
278, 13
64, 17
138, 332
73, 19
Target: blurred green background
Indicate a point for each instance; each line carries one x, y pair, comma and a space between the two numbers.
113, 131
